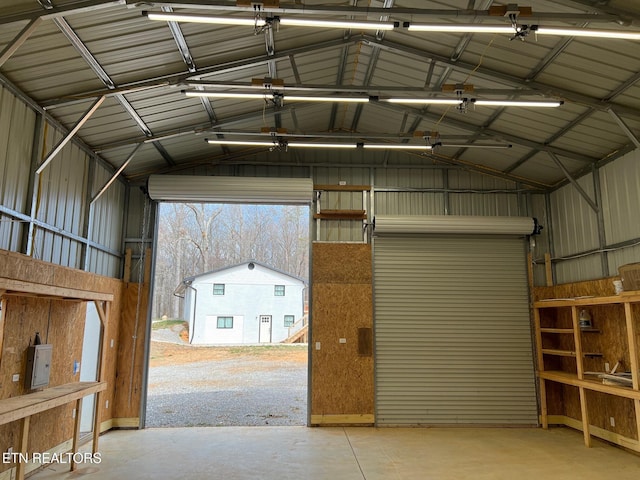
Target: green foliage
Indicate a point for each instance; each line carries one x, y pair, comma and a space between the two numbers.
168, 324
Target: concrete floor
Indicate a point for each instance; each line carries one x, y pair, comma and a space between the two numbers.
239, 453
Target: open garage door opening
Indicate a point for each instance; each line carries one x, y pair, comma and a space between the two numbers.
230, 316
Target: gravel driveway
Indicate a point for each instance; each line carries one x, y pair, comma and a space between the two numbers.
260, 385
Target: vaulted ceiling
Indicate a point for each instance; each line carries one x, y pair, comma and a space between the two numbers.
107, 70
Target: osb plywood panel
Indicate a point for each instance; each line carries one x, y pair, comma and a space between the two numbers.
608, 339
130, 357
21, 267
342, 305
341, 263
599, 288
60, 323
342, 379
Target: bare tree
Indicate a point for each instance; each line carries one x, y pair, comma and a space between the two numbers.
198, 238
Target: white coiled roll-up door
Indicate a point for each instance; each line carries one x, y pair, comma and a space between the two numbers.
452, 331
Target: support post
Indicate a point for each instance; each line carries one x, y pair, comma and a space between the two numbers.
24, 439
548, 269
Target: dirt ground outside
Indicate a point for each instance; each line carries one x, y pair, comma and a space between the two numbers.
225, 385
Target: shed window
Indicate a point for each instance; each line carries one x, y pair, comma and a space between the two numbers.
225, 322
218, 288
279, 291
289, 320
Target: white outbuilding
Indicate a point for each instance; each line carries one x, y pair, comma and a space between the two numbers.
246, 303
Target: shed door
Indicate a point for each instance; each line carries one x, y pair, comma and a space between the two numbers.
453, 336
265, 328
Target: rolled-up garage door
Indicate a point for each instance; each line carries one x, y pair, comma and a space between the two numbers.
221, 189
452, 325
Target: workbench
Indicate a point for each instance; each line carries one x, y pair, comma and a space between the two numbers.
24, 406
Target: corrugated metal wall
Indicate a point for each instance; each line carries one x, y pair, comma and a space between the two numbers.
62, 202
17, 124
577, 229
61, 197
107, 224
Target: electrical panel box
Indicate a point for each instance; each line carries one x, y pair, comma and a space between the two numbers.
38, 366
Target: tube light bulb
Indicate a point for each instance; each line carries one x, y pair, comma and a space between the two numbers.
507, 29
354, 24
260, 96
195, 18
518, 103
404, 146
321, 145
434, 101
293, 98
580, 32
459, 28
247, 143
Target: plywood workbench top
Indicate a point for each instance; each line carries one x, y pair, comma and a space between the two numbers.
15, 408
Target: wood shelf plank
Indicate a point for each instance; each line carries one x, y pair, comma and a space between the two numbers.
595, 385
15, 408
18, 287
341, 215
625, 297
557, 330
342, 188
558, 353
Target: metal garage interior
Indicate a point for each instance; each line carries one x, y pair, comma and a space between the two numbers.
369, 111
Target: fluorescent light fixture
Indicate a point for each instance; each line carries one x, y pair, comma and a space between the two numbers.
293, 98
424, 101
196, 18
267, 95
472, 101
459, 28
260, 22
404, 146
260, 96
321, 145
518, 103
580, 32
356, 25
240, 142
256, 143
508, 29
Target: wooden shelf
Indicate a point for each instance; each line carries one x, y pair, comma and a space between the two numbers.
568, 353
612, 341
595, 385
625, 297
557, 330
30, 289
342, 188
558, 353
23, 407
15, 408
341, 215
